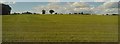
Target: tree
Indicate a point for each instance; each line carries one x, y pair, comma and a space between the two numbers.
43, 11
79, 13
5, 9
34, 13
51, 11
55, 13
70, 13
107, 14
114, 14
75, 13
15, 13
82, 13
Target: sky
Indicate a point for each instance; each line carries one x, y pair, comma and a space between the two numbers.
59, 0
64, 6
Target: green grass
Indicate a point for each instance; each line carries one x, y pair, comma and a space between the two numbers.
60, 28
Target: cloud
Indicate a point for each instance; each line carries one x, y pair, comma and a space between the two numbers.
78, 4
107, 7
8, 1
72, 7
99, 0
106, 0
61, 0
110, 5
68, 7
53, 0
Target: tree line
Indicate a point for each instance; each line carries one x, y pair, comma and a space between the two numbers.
53, 12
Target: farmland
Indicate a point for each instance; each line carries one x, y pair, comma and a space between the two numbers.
59, 28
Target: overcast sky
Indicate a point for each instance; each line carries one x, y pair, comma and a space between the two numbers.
65, 6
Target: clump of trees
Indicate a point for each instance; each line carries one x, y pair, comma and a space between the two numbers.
15, 13
23, 13
112, 14
80, 13
27, 12
115, 14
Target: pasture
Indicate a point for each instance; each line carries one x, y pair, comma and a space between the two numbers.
59, 28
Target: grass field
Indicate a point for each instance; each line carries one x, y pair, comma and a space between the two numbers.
59, 28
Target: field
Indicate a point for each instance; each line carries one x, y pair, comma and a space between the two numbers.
59, 28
